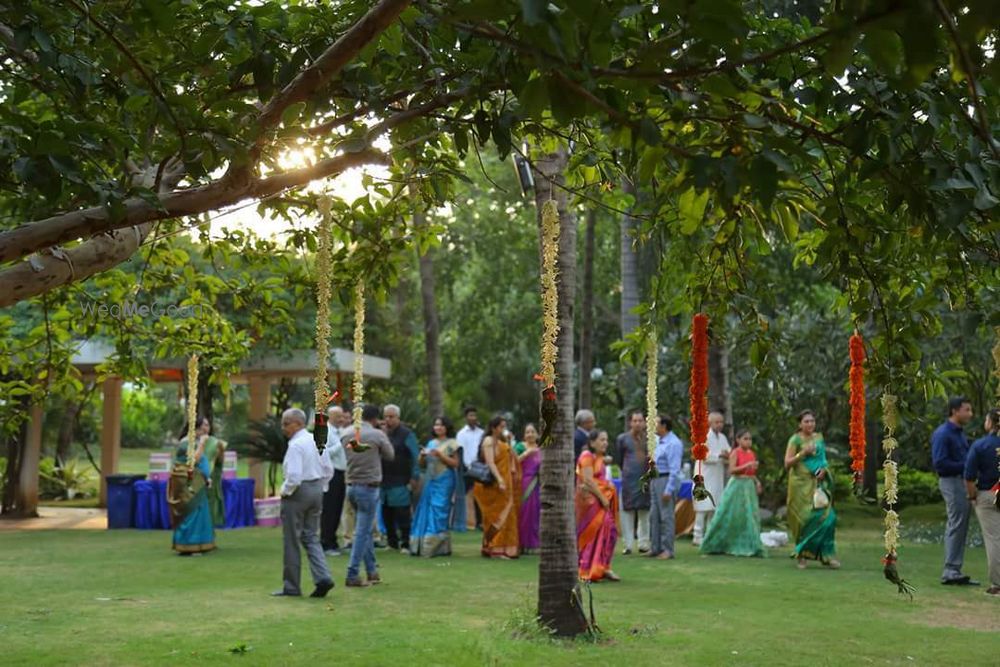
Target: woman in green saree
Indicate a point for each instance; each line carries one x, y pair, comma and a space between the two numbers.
188, 497
812, 520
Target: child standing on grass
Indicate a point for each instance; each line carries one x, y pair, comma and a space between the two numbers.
735, 529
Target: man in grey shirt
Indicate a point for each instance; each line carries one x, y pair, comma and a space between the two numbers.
364, 476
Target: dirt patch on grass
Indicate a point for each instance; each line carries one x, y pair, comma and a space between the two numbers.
963, 616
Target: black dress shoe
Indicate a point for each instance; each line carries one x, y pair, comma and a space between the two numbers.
964, 580
285, 594
322, 588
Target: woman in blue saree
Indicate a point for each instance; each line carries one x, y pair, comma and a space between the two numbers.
812, 520
188, 497
441, 507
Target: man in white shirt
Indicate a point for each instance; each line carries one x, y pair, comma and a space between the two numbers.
333, 499
307, 474
713, 469
469, 438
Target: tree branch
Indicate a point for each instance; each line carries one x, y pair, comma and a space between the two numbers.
329, 63
983, 129
85, 11
21, 241
43, 272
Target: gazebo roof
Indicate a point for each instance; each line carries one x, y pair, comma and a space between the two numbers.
298, 363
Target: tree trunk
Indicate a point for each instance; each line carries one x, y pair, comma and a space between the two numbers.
432, 327
16, 444
206, 394
629, 269
64, 441
719, 396
557, 569
587, 316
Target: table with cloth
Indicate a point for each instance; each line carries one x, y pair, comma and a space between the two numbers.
153, 513
683, 507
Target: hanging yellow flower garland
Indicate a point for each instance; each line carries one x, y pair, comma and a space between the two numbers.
652, 408
359, 361
323, 279
192, 408
890, 419
549, 409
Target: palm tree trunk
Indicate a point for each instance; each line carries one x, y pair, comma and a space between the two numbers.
587, 316
557, 569
432, 327
719, 395
629, 268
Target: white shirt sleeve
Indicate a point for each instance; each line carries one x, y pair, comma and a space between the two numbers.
326, 466
292, 469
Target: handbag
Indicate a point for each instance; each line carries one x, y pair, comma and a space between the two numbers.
820, 499
480, 472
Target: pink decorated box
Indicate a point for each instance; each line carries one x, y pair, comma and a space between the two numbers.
159, 466
229, 465
267, 511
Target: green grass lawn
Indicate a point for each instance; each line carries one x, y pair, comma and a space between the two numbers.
122, 598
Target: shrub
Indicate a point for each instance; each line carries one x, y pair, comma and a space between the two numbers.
72, 480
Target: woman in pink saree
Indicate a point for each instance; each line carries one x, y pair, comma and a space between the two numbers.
596, 512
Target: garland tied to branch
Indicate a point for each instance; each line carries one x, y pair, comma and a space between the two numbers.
192, 410
890, 419
549, 406
359, 364
652, 409
698, 391
857, 402
324, 257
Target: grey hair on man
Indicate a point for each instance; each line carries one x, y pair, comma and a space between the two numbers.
390, 407
583, 416
294, 414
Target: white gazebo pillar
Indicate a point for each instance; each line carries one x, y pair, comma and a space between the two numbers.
111, 432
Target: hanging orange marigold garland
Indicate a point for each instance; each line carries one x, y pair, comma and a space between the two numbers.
857, 432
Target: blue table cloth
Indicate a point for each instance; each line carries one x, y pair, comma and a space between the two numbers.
686, 487
153, 513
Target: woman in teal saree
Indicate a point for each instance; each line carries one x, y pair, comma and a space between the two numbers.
188, 497
812, 520
441, 507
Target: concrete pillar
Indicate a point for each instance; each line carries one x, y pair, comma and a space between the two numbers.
27, 499
111, 432
260, 404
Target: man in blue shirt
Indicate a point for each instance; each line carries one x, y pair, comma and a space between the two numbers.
982, 476
663, 489
949, 448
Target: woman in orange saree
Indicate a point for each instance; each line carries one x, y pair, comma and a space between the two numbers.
596, 512
498, 501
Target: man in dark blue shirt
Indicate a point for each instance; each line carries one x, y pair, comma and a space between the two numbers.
949, 448
982, 475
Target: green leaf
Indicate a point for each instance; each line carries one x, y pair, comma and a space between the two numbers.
885, 49
292, 113
764, 177
691, 207
534, 97
650, 131
651, 158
